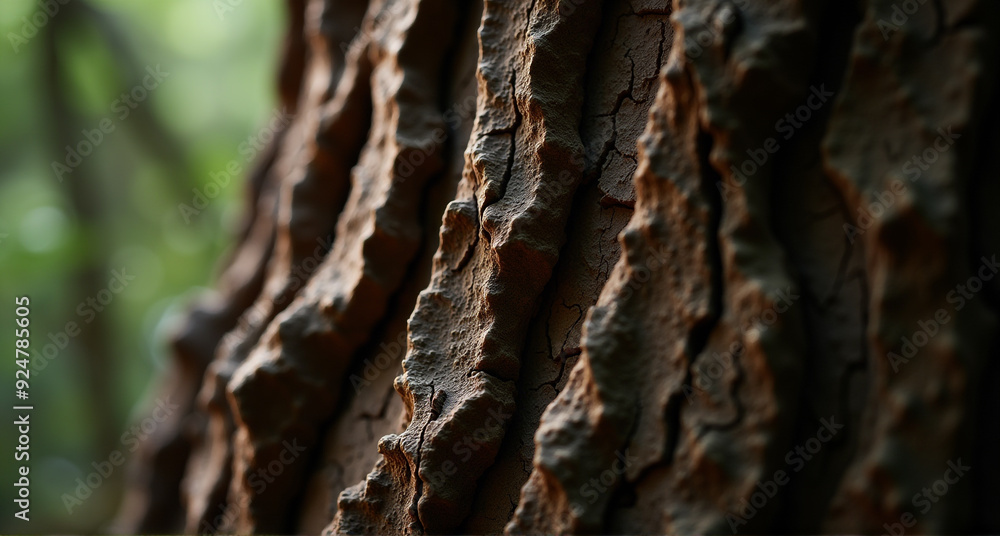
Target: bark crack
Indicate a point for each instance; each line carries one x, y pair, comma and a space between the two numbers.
417, 526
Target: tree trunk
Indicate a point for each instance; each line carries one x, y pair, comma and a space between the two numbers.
605, 267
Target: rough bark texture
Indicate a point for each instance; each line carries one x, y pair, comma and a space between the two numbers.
587, 267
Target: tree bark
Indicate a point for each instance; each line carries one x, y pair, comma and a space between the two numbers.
605, 267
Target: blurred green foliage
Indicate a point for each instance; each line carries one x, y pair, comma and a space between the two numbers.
220, 90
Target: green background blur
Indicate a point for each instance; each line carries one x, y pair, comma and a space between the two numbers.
60, 241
